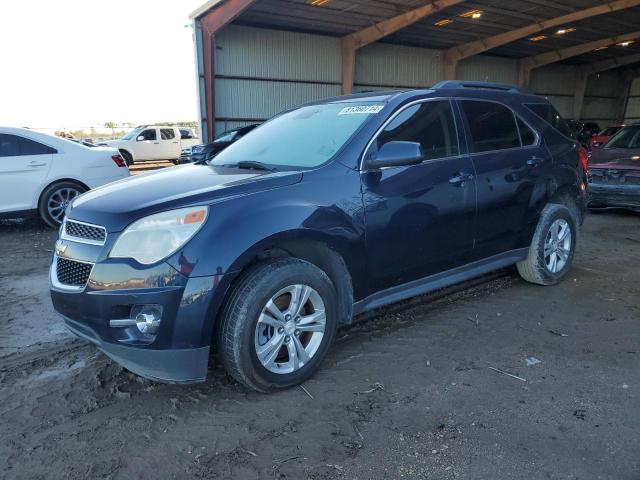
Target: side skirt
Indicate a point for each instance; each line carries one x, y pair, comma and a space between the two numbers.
439, 280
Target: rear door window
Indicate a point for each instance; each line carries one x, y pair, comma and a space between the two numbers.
14, 145
167, 134
492, 126
527, 135
431, 124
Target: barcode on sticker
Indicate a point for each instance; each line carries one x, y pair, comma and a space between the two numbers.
361, 109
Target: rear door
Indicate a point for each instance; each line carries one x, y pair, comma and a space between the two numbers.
24, 165
169, 144
419, 218
508, 158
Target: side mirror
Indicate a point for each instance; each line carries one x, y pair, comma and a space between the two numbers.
397, 154
140, 138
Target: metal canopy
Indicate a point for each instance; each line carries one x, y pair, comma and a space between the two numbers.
343, 17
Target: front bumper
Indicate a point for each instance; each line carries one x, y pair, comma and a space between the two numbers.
168, 366
178, 352
611, 195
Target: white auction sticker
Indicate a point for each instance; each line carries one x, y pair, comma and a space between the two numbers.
361, 109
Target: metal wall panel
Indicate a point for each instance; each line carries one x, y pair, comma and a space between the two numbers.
260, 100
605, 84
396, 66
554, 80
252, 60
599, 109
633, 110
488, 69
261, 53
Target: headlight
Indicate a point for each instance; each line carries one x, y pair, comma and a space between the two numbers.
155, 237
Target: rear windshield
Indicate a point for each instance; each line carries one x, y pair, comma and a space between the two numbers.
303, 138
551, 116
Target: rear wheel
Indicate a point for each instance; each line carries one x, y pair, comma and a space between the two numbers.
278, 324
55, 199
553, 247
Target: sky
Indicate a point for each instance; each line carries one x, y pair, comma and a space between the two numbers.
80, 63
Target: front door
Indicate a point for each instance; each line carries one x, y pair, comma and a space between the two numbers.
419, 219
24, 165
509, 159
148, 147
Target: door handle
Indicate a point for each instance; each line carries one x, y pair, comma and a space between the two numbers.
459, 179
36, 164
534, 161
156, 143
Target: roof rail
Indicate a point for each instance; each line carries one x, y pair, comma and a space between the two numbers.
459, 84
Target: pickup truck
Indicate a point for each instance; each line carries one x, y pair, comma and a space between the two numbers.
153, 142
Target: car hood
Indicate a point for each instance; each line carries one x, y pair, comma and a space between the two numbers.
615, 158
118, 204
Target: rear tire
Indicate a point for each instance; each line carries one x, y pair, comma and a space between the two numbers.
128, 158
269, 349
55, 199
552, 248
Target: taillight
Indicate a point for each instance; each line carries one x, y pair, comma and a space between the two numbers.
119, 161
584, 158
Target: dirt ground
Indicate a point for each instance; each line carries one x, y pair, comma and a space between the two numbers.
407, 393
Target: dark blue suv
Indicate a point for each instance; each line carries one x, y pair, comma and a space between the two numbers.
326, 211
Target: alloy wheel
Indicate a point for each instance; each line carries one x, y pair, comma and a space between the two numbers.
59, 201
557, 246
290, 329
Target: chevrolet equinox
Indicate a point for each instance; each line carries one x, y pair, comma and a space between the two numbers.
326, 211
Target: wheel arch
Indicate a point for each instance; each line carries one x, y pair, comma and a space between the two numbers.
60, 180
316, 248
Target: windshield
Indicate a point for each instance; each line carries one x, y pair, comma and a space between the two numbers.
303, 138
132, 134
628, 137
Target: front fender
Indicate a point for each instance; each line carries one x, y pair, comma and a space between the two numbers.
325, 208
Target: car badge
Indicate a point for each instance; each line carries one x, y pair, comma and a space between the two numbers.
61, 248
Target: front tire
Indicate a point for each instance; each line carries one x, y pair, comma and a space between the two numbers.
552, 248
55, 199
278, 324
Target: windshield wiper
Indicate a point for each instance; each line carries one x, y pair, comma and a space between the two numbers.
251, 165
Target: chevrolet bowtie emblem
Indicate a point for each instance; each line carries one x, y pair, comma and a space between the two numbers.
60, 248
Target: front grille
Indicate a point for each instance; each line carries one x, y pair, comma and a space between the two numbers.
73, 273
87, 232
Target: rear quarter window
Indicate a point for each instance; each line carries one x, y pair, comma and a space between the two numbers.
550, 115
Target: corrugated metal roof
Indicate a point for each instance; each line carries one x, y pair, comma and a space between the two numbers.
341, 17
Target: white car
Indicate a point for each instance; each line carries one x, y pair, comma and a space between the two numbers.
40, 173
153, 142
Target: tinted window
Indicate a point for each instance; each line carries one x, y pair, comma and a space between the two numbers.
628, 137
527, 136
430, 124
13, 145
167, 134
149, 134
610, 131
492, 126
9, 146
185, 134
551, 116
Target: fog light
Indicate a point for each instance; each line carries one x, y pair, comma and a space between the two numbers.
147, 317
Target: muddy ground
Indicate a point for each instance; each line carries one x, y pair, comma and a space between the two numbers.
408, 393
